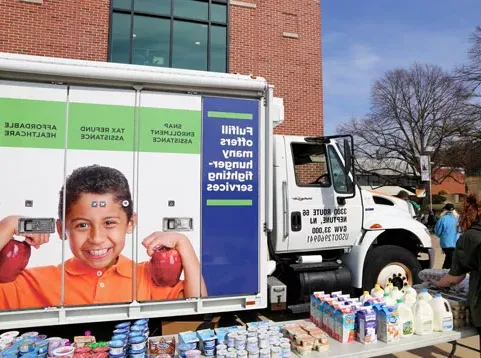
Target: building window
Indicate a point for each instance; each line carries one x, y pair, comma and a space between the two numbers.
190, 34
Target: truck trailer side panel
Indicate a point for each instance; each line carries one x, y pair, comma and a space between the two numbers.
192, 165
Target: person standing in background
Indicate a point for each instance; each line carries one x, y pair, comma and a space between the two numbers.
447, 230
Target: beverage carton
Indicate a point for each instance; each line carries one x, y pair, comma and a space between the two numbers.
330, 316
324, 311
344, 318
367, 324
388, 327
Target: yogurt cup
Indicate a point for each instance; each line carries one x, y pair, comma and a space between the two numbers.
10, 334
137, 343
183, 348
116, 347
122, 325
26, 345
120, 331
221, 353
29, 334
193, 353
65, 351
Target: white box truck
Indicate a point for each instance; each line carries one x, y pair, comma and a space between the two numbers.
130, 191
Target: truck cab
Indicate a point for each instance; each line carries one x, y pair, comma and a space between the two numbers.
329, 234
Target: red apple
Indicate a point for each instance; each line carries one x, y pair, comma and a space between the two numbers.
13, 259
166, 267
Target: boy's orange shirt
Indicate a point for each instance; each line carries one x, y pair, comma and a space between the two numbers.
40, 286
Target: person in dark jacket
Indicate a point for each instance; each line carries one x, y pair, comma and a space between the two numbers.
467, 258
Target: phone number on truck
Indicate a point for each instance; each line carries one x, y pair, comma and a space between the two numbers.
328, 238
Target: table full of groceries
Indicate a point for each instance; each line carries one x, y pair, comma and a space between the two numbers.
379, 315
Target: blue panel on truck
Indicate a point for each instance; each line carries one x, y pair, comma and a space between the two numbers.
230, 195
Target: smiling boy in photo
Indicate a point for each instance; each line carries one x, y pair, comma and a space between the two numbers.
98, 216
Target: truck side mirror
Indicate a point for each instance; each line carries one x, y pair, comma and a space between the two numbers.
347, 157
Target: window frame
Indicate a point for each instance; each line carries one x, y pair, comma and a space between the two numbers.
173, 18
328, 167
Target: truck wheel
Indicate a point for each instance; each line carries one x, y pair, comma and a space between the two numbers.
390, 263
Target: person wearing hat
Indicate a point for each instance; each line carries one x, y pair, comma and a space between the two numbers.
447, 230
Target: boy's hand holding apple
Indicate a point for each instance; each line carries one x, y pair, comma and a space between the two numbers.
168, 252
14, 254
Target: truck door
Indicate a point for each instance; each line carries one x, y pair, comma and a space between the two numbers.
318, 217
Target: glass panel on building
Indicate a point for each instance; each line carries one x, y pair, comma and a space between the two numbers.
151, 41
189, 46
191, 9
122, 4
160, 7
120, 38
218, 49
218, 13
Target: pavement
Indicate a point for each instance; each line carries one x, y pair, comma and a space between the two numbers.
441, 350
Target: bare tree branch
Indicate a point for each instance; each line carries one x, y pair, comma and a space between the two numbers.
411, 109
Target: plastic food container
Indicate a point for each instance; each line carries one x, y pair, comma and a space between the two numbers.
242, 354
64, 352
240, 342
275, 352
221, 347
231, 339
183, 348
26, 345
137, 343
221, 353
142, 321
254, 354
285, 349
122, 325
10, 334
30, 334
193, 353
42, 347
116, 347
120, 331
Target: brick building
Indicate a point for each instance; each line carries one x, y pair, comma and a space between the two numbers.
276, 39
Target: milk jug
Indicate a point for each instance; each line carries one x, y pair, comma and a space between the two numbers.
408, 289
388, 287
409, 299
388, 300
424, 295
442, 314
377, 291
423, 317
406, 325
365, 296
396, 294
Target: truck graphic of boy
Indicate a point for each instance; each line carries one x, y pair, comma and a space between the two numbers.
98, 273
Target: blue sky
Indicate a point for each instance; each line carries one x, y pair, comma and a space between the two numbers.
362, 39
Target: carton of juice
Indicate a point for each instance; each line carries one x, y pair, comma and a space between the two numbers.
313, 312
324, 312
367, 324
388, 327
330, 320
344, 324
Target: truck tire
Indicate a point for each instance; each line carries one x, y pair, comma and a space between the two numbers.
390, 263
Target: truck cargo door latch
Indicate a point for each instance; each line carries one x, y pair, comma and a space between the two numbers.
296, 223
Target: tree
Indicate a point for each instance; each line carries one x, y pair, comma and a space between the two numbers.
411, 109
471, 72
470, 76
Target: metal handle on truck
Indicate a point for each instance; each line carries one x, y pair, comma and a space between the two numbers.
285, 208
